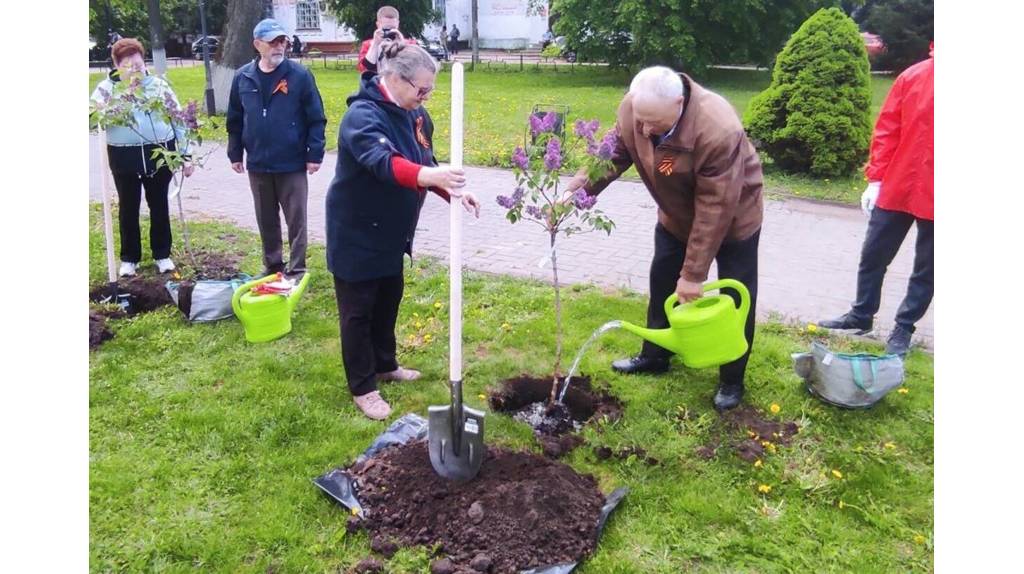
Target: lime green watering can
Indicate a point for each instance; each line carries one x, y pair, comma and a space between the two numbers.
266, 317
705, 332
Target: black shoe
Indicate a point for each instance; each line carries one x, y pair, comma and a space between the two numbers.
640, 364
848, 323
899, 341
728, 396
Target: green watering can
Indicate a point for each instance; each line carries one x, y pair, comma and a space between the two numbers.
705, 332
266, 317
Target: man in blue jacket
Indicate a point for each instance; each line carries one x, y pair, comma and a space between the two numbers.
276, 117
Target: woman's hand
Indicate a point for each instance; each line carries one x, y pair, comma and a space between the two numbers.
449, 178
187, 169
471, 203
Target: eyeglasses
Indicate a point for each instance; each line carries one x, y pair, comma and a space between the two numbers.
420, 92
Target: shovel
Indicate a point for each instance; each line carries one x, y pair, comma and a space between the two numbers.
108, 228
455, 434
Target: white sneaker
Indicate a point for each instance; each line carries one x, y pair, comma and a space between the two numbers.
127, 269
164, 265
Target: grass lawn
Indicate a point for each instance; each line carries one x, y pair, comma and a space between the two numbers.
202, 446
498, 103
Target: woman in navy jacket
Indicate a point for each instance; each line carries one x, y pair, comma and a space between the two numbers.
385, 167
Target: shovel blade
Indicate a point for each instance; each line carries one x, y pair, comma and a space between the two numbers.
455, 453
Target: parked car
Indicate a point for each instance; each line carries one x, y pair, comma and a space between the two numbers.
874, 44
433, 47
197, 47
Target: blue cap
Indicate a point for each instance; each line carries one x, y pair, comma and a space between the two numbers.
267, 30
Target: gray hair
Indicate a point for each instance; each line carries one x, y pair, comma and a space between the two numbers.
405, 60
658, 81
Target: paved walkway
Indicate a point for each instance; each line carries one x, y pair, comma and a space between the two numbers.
808, 253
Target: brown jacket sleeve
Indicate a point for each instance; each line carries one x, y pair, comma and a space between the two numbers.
719, 184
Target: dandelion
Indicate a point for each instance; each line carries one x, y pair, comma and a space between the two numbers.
919, 539
437, 304
837, 474
903, 391
354, 511
428, 338
419, 324
482, 397
758, 463
890, 445
775, 408
842, 505
812, 328
752, 434
764, 489
506, 326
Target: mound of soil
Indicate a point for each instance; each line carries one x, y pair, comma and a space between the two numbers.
143, 293
98, 329
216, 265
526, 399
745, 432
521, 511
604, 453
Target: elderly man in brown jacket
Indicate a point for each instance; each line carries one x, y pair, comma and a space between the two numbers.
693, 155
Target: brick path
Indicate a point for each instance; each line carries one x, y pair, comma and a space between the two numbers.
808, 252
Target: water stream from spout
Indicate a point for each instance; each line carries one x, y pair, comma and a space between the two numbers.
576, 363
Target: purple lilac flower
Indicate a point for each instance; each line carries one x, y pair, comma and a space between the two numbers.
517, 195
583, 200
539, 125
169, 103
608, 144
505, 201
534, 212
189, 117
553, 156
535, 125
519, 158
586, 130
104, 95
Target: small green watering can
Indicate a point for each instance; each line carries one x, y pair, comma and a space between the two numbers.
705, 332
266, 317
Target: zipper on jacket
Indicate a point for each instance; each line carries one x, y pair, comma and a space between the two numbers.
264, 112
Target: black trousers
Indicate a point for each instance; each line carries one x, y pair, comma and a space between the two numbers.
367, 312
886, 232
736, 260
129, 192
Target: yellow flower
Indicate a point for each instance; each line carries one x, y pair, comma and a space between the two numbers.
419, 324
437, 304
482, 397
764, 489
355, 511
836, 473
903, 391
415, 315
752, 434
890, 445
842, 505
812, 328
775, 409
758, 463
427, 338
919, 539
506, 326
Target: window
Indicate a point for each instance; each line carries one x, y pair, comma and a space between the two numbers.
307, 15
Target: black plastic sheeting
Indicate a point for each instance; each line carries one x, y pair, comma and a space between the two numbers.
339, 485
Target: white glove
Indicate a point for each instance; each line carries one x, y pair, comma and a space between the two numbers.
870, 196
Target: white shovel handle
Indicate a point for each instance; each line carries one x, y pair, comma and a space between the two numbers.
455, 224
108, 222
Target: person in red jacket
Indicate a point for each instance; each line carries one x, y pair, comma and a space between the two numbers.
387, 29
900, 192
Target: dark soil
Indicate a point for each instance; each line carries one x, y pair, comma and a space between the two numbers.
522, 510
745, 432
368, 566
526, 398
99, 331
144, 293
216, 265
604, 453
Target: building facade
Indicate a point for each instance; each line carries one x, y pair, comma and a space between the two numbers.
505, 24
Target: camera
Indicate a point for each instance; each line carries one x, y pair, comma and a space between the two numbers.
389, 33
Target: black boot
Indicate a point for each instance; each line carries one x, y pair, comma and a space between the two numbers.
640, 364
848, 323
728, 396
899, 341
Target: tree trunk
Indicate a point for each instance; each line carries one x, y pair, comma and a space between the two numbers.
475, 37
236, 47
558, 321
156, 36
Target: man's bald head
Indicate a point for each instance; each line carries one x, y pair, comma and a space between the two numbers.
657, 94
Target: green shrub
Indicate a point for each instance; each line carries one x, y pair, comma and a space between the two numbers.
552, 50
815, 117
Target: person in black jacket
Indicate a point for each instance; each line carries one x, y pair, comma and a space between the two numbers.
385, 167
276, 116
